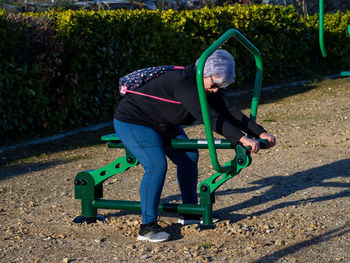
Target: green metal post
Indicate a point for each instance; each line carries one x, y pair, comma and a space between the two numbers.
346, 73
321, 33
87, 209
257, 86
202, 96
206, 204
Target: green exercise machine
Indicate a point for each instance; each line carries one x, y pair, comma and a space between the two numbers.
88, 185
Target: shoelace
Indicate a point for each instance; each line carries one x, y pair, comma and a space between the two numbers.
157, 228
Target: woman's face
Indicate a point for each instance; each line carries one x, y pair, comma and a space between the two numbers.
211, 84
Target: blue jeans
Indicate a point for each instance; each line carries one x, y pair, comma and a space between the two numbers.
146, 144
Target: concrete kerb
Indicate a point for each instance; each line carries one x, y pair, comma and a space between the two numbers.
55, 137
103, 125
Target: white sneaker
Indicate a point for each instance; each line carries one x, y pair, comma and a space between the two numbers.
152, 232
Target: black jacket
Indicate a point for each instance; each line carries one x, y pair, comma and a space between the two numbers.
180, 85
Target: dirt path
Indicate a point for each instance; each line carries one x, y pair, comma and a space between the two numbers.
290, 205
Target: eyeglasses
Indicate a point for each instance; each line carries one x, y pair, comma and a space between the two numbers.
215, 85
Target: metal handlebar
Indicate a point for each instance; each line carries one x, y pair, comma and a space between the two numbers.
202, 96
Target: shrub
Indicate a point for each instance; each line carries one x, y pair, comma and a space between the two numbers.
59, 69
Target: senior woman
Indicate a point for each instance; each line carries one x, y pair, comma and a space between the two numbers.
143, 123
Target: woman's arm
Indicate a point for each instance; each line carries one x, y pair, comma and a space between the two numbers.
234, 115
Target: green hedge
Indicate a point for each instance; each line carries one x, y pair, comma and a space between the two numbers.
23, 97
59, 70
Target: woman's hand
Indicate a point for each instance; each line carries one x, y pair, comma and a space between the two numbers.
254, 144
271, 140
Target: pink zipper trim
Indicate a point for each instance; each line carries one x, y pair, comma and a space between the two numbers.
153, 97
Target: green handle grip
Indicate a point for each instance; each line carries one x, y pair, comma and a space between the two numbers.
263, 144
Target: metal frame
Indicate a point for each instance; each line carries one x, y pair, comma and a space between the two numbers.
89, 184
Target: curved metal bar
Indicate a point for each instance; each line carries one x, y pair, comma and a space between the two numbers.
321, 33
202, 96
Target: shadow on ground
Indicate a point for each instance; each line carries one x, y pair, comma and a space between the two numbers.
335, 233
21, 169
69, 143
279, 187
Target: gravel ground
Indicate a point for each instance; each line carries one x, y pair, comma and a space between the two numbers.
290, 205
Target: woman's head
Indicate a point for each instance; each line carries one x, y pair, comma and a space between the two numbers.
220, 68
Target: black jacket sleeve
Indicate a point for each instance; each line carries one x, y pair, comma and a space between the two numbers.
234, 115
225, 119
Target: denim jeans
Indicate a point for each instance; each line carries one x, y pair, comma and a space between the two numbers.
146, 144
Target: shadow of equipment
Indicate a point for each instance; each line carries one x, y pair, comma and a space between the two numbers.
280, 187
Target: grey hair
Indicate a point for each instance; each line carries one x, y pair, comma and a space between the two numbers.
221, 65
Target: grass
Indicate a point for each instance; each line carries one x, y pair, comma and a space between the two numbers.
207, 245
269, 120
